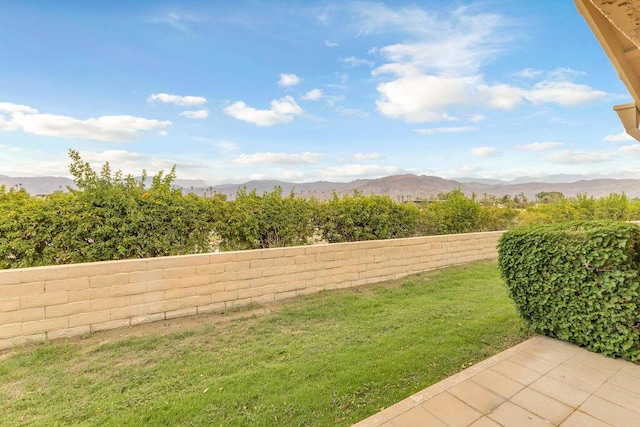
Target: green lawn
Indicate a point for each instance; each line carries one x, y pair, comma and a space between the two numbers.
328, 359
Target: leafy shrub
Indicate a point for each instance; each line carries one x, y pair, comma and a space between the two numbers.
614, 207
577, 282
107, 217
358, 217
450, 213
22, 238
253, 221
494, 218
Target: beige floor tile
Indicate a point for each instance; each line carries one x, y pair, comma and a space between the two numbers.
525, 345
545, 380
560, 391
631, 369
531, 361
627, 378
427, 393
610, 412
516, 372
600, 362
476, 396
485, 422
460, 377
619, 396
554, 351
542, 405
416, 417
510, 414
450, 410
500, 385
397, 409
376, 420
596, 364
579, 377
580, 419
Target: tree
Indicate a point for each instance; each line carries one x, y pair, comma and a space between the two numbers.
549, 196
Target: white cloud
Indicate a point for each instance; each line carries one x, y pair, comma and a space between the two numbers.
197, 114
104, 128
349, 172
130, 162
39, 162
183, 101
451, 129
555, 89
528, 73
226, 146
630, 149
177, 20
538, 146
501, 96
328, 43
564, 73
8, 107
332, 100
618, 137
352, 61
352, 112
439, 67
9, 148
6, 124
33, 164
279, 158
313, 95
282, 110
422, 98
563, 93
570, 157
366, 156
459, 43
483, 152
477, 118
287, 80
324, 17
116, 157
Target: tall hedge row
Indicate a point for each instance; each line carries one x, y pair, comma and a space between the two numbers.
578, 282
108, 217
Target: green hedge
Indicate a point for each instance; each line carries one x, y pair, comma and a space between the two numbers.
578, 282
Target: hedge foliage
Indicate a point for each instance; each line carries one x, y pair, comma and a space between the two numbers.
614, 207
359, 217
111, 216
578, 282
270, 220
108, 217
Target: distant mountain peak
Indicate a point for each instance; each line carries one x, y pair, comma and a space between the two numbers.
398, 187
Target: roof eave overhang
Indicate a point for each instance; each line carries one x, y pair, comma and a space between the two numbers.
609, 30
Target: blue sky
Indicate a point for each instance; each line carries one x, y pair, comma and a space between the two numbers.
309, 90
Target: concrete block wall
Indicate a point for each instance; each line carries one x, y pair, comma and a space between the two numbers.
44, 303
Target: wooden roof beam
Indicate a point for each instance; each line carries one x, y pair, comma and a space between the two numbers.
610, 39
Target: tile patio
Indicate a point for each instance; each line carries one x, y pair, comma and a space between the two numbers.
540, 382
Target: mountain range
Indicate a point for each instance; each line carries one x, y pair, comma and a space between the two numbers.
398, 187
